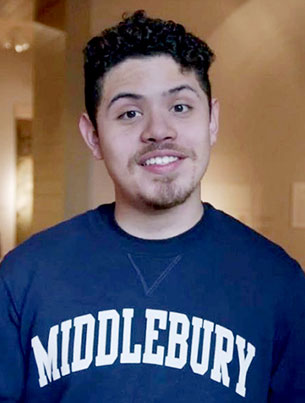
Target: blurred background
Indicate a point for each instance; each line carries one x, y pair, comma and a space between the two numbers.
257, 170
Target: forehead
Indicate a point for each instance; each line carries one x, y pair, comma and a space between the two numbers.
148, 76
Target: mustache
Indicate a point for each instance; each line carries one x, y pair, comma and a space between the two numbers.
164, 146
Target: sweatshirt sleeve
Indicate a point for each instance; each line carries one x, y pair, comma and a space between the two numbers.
288, 379
11, 356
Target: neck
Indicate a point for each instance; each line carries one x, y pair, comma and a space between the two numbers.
147, 223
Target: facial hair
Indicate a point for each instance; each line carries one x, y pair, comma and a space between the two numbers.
167, 193
167, 197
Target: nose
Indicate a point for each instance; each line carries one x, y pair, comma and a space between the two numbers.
158, 129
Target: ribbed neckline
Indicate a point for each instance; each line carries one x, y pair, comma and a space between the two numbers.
107, 225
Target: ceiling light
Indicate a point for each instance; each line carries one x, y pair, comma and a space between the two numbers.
22, 47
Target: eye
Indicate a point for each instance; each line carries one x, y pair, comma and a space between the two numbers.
182, 108
129, 115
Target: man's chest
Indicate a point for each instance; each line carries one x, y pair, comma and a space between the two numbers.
176, 330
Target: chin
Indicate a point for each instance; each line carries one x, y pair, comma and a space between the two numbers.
167, 197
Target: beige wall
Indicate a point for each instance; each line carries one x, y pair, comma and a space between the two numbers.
60, 157
259, 78
48, 136
15, 89
262, 144
76, 153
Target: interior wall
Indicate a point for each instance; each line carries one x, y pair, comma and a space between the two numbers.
61, 158
260, 154
51, 13
16, 95
76, 153
48, 134
258, 77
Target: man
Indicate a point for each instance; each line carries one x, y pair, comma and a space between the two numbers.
156, 297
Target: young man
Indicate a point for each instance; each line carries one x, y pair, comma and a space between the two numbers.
156, 297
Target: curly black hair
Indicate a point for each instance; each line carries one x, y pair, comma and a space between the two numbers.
139, 36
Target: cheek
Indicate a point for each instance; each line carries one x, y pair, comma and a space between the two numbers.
198, 141
117, 156
194, 131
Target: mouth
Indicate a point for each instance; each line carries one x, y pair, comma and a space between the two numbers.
162, 162
167, 159
161, 158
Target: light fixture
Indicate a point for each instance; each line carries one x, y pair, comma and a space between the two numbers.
22, 47
17, 39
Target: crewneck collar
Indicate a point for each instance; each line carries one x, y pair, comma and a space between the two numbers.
129, 242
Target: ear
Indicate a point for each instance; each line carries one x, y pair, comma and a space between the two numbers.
214, 121
90, 136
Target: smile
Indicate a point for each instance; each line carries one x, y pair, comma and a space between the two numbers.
167, 159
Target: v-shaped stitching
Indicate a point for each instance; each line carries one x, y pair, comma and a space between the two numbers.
149, 291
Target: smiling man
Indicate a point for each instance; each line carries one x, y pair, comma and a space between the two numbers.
154, 129
156, 297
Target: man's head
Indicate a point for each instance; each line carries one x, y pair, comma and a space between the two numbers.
150, 113
140, 36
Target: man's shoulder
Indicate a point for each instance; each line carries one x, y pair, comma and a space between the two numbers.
58, 242
61, 233
46, 256
241, 241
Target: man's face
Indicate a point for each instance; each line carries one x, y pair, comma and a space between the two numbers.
154, 131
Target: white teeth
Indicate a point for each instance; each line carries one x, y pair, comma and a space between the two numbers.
160, 160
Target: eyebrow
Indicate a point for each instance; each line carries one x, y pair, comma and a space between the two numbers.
138, 96
124, 95
180, 88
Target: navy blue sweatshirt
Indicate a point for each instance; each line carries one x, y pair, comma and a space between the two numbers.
89, 313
